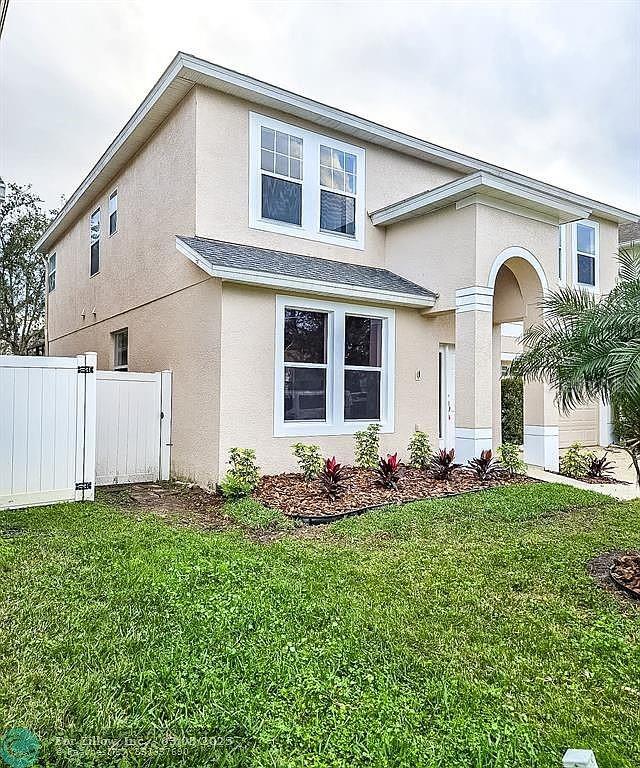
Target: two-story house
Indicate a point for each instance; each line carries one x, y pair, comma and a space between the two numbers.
304, 271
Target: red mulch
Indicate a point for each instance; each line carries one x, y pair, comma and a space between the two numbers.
304, 500
602, 481
625, 571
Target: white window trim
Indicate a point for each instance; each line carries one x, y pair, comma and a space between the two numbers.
574, 247
335, 423
310, 228
113, 194
562, 255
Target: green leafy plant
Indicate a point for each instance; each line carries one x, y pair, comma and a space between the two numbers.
244, 467
442, 464
309, 460
389, 471
486, 466
509, 455
512, 409
368, 447
332, 479
600, 467
575, 462
233, 487
420, 451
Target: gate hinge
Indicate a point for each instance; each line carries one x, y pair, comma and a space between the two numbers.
83, 486
85, 369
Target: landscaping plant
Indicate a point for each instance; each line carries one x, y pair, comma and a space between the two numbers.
512, 401
486, 466
244, 467
576, 461
389, 471
332, 479
368, 447
309, 460
442, 464
509, 455
600, 467
420, 451
233, 487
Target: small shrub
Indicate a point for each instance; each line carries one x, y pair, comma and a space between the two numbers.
575, 462
442, 464
420, 451
243, 466
486, 466
332, 480
509, 455
233, 487
309, 460
389, 471
512, 401
600, 467
368, 447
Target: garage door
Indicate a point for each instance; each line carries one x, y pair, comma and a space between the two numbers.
580, 425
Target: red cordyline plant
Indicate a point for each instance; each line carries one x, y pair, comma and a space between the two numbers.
486, 466
442, 464
389, 471
332, 479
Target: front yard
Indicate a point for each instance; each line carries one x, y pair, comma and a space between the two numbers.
459, 632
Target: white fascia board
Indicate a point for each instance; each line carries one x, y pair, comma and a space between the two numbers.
189, 70
302, 285
460, 189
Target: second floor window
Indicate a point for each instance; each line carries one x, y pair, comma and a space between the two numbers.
304, 184
94, 237
51, 273
586, 253
113, 212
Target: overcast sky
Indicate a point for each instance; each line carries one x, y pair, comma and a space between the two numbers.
550, 89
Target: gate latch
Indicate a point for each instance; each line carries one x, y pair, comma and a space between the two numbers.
85, 369
83, 486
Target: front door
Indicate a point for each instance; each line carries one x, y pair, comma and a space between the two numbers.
447, 396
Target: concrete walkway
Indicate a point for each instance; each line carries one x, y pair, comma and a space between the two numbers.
623, 471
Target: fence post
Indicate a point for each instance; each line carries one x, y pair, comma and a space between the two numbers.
579, 758
165, 424
86, 427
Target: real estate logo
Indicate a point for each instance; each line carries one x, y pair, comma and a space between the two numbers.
19, 748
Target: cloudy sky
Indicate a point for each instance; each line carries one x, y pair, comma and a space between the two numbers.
551, 89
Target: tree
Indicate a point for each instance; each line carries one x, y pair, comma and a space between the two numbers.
22, 270
588, 347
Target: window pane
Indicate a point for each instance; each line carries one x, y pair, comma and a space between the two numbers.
305, 394
350, 163
363, 341
338, 159
282, 165
282, 143
281, 200
295, 170
325, 177
305, 336
586, 239
267, 160
351, 183
325, 156
95, 226
113, 222
361, 395
338, 180
586, 270
95, 257
337, 213
113, 202
295, 147
267, 138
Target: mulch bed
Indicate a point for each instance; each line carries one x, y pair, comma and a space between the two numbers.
602, 481
602, 569
304, 501
625, 571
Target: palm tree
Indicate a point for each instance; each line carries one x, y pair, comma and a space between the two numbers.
588, 347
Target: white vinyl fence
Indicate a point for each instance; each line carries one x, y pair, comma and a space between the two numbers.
65, 428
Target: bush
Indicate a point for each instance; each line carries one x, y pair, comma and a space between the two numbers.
420, 450
512, 409
332, 481
389, 471
575, 462
486, 466
233, 487
244, 467
368, 447
509, 455
309, 460
600, 467
442, 464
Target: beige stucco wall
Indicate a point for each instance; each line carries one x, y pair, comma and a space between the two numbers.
167, 335
247, 381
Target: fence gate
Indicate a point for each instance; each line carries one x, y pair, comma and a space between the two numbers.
47, 429
133, 427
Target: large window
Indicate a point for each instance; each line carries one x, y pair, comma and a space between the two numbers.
586, 246
113, 212
94, 239
304, 184
51, 272
334, 367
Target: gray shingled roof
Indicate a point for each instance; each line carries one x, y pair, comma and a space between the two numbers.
629, 232
235, 256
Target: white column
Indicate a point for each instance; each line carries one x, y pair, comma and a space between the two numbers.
606, 425
474, 371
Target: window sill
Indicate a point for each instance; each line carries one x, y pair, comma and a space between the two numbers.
294, 230
319, 429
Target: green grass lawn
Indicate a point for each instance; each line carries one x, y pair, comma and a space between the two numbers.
461, 632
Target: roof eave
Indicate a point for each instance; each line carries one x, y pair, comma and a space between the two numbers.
263, 279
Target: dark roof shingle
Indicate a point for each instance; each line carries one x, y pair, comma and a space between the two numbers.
248, 257
629, 232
